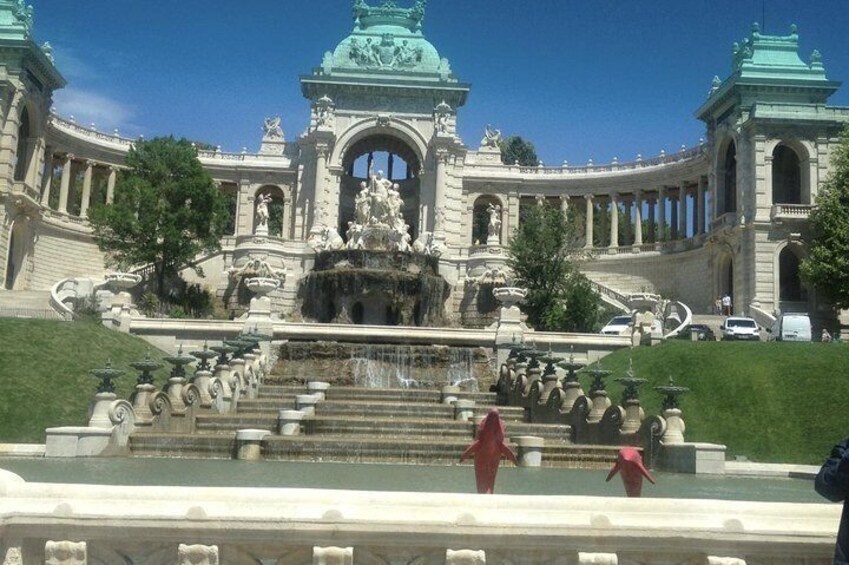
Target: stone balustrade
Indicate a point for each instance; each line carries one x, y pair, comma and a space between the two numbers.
167, 525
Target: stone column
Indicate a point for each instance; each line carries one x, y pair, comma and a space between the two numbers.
700, 221
47, 181
319, 202
638, 219
36, 153
564, 205
110, 185
614, 221
439, 195
628, 205
652, 227
673, 216
589, 221
86, 201
661, 214
66, 183
287, 218
682, 212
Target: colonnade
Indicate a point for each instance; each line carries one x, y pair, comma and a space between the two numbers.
68, 161
672, 213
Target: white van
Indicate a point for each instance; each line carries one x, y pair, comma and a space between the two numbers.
791, 327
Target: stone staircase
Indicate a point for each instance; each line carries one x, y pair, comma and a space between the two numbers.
621, 283
27, 304
365, 425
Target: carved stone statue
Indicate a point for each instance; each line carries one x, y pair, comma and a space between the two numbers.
65, 553
426, 244
323, 112
197, 554
378, 219
262, 214
493, 228
491, 137
441, 118
271, 129
323, 238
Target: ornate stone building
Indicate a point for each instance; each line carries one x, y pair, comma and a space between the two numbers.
727, 216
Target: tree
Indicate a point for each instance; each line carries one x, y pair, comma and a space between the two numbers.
514, 150
559, 298
166, 211
827, 264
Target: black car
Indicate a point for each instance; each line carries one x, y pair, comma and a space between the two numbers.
702, 331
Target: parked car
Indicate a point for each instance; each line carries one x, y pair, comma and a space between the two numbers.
618, 325
737, 327
703, 332
791, 327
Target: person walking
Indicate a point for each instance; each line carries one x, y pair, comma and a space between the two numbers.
717, 306
726, 304
832, 482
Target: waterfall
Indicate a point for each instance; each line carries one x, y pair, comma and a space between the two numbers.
406, 366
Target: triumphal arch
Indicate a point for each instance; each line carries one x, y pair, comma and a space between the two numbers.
381, 150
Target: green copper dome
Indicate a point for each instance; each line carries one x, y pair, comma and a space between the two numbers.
387, 40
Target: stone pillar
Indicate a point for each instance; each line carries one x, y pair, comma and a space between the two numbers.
700, 221
332, 555
589, 221
86, 201
652, 226
614, 221
661, 214
289, 422
465, 557
439, 195
110, 185
47, 181
65, 187
673, 217
249, 444
628, 205
638, 219
65, 553
320, 203
287, 217
530, 450
564, 205
682, 212
197, 554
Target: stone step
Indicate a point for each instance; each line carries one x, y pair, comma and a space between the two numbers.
393, 394
27, 304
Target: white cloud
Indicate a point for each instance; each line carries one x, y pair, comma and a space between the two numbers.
90, 107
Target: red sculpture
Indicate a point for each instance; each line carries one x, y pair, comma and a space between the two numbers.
488, 449
630, 463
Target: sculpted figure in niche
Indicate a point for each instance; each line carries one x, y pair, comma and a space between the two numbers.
262, 210
493, 228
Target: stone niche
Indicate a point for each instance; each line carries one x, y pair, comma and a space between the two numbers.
356, 286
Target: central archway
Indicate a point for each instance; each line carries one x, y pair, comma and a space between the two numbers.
398, 162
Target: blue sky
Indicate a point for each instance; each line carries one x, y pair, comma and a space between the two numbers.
582, 79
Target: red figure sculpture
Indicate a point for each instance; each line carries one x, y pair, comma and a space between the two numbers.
488, 449
630, 463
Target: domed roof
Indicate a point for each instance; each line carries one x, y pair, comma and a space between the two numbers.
386, 39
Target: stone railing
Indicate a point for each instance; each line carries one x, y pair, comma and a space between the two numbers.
678, 310
141, 524
727, 220
661, 160
790, 211
612, 297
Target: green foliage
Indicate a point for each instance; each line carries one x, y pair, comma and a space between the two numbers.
827, 264
49, 363
166, 210
772, 402
514, 150
149, 304
559, 297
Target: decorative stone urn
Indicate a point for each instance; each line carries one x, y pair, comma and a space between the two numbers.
510, 326
509, 296
261, 304
119, 284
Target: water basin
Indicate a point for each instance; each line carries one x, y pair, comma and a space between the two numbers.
396, 478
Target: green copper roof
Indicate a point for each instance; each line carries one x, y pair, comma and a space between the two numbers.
387, 40
768, 68
15, 20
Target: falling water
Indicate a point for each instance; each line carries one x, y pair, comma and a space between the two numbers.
387, 366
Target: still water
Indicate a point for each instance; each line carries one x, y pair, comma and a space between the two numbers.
458, 479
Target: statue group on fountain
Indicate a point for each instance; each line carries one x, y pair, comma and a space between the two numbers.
378, 221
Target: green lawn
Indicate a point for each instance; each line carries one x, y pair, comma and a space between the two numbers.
772, 402
44, 370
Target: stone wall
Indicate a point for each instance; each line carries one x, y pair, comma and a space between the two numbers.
63, 252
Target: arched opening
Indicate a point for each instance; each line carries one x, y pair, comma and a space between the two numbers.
786, 176
231, 195
725, 276
357, 313
728, 191
790, 287
274, 201
18, 256
22, 152
486, 221
399, 164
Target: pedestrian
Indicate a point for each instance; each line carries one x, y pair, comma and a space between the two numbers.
832, 482
726, 304
826, 337
717, 306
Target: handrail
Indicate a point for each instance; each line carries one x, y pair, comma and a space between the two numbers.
67, 285
761, 316
612, 297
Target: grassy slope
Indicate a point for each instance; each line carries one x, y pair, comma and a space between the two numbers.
774, 402
44, 370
